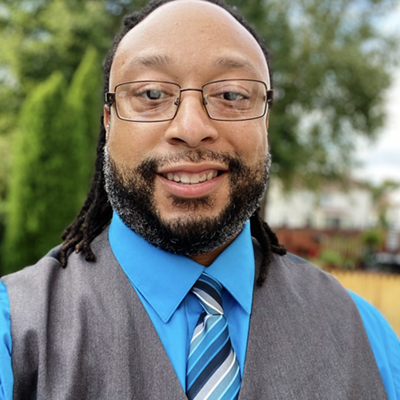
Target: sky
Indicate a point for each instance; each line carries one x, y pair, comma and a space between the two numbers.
381, 159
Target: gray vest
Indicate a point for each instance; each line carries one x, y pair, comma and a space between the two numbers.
82, 333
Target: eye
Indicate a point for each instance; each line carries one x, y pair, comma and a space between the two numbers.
152, 94
232, 96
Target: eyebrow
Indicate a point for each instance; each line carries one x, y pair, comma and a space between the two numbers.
152, 60
234, 63
162, 60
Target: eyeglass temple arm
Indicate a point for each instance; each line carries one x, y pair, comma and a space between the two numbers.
109, 98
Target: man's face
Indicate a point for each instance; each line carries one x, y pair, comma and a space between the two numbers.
190, 174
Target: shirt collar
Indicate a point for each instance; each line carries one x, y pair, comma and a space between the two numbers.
164, 279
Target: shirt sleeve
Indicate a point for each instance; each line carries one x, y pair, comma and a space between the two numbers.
6, 375
384, 343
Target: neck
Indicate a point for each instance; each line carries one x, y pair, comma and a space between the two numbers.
207, 259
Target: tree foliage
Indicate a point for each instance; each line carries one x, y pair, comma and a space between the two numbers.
34, 202
54, 153
331, 67
84, 102
43, 36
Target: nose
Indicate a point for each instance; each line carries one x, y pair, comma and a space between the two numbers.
191, 125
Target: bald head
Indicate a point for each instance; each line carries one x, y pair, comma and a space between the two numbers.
184, 38
192, 21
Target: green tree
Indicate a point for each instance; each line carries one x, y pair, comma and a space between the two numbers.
84, 100
332, 66
45, 175
39, 37
43, 36
4, 156
330, 59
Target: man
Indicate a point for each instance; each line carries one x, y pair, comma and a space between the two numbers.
175, 299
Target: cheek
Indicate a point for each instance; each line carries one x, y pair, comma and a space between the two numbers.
127, 145
122, 150
252, 142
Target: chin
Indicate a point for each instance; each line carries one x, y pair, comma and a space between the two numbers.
191, 209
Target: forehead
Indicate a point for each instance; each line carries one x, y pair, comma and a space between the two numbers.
188, 39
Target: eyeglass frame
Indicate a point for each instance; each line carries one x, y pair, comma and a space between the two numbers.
110, 99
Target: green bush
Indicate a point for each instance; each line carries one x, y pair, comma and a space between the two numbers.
373, 238
334, 259
84, 100
331, 258
52, 163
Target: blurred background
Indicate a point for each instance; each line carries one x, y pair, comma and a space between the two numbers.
334, 130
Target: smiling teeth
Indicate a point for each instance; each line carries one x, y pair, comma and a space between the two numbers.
192, 179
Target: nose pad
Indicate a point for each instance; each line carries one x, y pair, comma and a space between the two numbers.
177, 102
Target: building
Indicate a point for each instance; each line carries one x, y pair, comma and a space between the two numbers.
331, 208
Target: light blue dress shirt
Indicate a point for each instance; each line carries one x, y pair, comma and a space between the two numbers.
163, 281
384, 343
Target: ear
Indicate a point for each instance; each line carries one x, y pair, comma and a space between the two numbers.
106, 118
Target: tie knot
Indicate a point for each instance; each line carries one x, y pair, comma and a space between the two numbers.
208, 291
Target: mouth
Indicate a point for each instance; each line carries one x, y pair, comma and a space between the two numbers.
188, 178
192, 181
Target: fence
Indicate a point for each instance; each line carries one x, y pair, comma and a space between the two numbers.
381, 290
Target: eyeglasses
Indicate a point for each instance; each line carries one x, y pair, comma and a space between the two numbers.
158, 101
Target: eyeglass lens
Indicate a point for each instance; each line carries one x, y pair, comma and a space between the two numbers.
158, 101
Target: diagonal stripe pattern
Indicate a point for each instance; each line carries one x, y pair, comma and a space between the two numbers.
212, 370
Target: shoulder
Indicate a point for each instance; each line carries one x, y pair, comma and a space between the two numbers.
327, 294
299, 289
300, 278
316, 293
30, 289
49, 267
384, 343
309, 280
28, 277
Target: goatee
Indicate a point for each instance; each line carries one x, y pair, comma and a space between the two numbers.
131, 195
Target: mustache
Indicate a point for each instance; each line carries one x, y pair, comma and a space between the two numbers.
148, 167
195, 156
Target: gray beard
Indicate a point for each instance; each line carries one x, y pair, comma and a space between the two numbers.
131, 195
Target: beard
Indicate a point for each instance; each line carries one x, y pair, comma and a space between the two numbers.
131, 195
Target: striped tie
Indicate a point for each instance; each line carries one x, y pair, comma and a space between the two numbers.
212, 369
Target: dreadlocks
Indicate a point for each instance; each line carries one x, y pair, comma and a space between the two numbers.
96, 212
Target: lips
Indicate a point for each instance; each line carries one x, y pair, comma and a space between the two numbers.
190, 178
